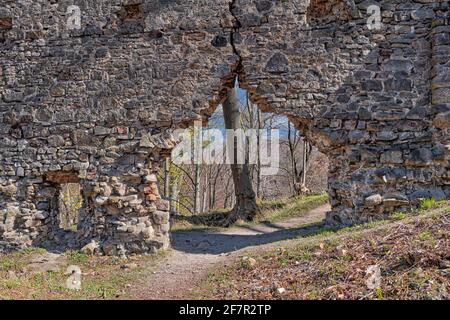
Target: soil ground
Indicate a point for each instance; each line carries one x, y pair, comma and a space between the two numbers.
196, 253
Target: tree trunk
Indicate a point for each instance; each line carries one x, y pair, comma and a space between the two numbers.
305, 156
301, 174
174, 200
245, 206
258, 165
210, 190
167, 178
292, 146
197, 200
228, 195
213, 188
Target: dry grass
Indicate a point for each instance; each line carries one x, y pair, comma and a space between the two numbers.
270, 211
412, 252
280, 210
102, 277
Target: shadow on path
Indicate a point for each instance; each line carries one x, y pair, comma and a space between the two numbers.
195, 253
211, 242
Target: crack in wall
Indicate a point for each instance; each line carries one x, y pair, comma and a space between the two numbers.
235, 30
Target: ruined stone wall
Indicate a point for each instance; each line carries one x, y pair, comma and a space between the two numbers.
96, 105
366, 98
92, 104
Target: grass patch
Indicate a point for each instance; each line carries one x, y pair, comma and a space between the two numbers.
76, 257
279, 210
184, 225
17, 260
411, 251
397, 216
427, 204
102, 277
424, 236
270, 211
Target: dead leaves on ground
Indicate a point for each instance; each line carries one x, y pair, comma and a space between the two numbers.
413, 259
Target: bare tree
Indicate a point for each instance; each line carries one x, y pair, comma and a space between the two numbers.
196, 189
258, 156
245, 207
167, 178
299, 169
196, 185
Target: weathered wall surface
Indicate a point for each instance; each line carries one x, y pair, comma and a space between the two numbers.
366, 98
95, 105
92, 104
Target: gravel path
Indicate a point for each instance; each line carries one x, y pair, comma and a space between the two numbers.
195, 253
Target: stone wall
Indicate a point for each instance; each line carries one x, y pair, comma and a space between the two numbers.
97, 104
366, 98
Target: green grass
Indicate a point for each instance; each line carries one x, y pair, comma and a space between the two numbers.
397, 216
279, 210
269, 211
328, 234
76, 257
17, 260
424, 236
185, 226
102, 277
379, 294
427, 204
236, 282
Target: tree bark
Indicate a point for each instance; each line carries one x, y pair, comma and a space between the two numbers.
167, 178
228, 195
197, 200
292, 146
305, 157
258, 165
174, 200
299, 174
245, 207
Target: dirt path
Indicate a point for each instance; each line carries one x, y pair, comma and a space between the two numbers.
195, 253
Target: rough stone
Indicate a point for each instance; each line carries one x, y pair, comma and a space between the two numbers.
97, 105
91, 248
373, 200
442, 120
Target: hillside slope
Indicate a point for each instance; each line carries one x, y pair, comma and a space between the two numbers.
412, 255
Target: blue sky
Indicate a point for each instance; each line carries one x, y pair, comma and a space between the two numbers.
279, 121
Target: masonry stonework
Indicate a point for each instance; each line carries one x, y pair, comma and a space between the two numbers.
96, 105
